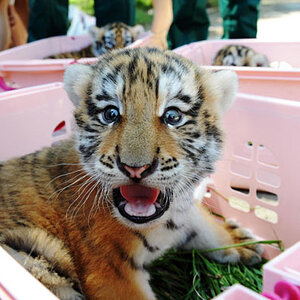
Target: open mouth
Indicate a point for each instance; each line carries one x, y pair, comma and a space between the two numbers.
140, 204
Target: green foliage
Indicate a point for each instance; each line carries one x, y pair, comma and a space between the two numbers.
190, 275
85, 5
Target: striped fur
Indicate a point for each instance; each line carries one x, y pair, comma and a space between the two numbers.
239, 55
109, 37
57, 208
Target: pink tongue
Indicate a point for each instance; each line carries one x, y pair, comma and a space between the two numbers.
136, 193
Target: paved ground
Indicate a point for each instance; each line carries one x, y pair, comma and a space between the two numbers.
279, 20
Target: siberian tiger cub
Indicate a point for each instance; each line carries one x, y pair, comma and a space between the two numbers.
88, 215
239, 55
112, 36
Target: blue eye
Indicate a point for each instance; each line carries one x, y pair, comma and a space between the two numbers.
172, 116
110, 115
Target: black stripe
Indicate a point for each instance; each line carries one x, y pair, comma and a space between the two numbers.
145, 242
125, 257
189, 237
103, 97
193, 112
156, 88
171, 225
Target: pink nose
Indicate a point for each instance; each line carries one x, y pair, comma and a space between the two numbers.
136, 172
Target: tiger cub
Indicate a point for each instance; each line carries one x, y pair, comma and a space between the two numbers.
112, 36
239, 55
88, 215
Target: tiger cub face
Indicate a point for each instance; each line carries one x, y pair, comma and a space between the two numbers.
148, 128
113, 36
238, 55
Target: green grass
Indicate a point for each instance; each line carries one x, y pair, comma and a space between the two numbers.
190, 275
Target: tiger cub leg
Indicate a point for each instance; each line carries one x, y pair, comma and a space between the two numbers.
211, 234
45, 257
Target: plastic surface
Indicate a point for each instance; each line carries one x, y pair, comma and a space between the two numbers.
284, 290
29, 117
285, 267
239, 292
17, 284
283, 82
261, 160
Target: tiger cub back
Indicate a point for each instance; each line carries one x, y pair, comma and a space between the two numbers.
109, 37
239, 55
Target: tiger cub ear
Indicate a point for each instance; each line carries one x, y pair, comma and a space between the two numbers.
96, 32
137, 30
226, 81
76, 80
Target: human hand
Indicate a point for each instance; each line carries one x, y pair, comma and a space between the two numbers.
156, 40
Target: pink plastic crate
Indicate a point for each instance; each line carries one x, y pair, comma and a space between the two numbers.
17, 284
256, 182
29, 117
261, 153
239, 292
23, 66
284, 267
280, 82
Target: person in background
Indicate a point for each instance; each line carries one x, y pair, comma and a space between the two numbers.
13, 23
183, 21
50, 18
191, 22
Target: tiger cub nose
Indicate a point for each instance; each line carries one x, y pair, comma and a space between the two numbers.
137, 172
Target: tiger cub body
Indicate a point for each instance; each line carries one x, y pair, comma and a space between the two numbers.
88, 215
112, 36
239, 55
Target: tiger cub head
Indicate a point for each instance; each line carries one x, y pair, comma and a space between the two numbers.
240, 56
148, 128
113, 36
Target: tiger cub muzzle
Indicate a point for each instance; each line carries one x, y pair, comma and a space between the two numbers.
136, 202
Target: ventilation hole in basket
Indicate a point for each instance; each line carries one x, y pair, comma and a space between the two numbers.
268, 178
207, 194
239, 204
244, 191
267, 197
243, 150
240, 169
266, 214
60, 129
265, 156
250, 144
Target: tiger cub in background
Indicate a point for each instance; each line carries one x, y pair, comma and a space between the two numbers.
239, 55
88, 215
112, 36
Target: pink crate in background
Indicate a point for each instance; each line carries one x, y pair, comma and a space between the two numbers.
282, 82
257, 181
29, 117
23, 66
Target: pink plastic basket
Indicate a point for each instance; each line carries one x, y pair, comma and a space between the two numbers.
273, 82
256, 182
261, 154
23, 66
239, 292
29, 117
283, 267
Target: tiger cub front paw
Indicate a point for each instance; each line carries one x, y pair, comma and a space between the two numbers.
248, 254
